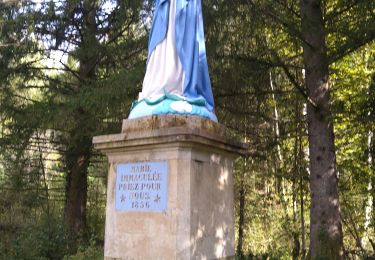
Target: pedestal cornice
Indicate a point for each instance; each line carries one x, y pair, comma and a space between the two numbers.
168, 129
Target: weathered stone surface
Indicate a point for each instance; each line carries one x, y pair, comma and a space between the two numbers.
161, 130
173, 121
199, 220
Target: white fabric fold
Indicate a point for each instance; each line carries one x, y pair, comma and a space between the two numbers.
164, 69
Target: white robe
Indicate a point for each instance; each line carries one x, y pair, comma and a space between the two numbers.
164, 70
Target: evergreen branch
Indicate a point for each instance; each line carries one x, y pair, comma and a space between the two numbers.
73, 72
250, 93
352, 45
288, 26
294, 82
285, 5
347, 8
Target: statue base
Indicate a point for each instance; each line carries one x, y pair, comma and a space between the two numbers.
171, 104
170, 189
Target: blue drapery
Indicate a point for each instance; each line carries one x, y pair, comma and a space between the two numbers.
190, 46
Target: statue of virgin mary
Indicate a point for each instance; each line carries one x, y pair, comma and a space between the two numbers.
176, 79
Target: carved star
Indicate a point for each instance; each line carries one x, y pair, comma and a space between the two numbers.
157, 198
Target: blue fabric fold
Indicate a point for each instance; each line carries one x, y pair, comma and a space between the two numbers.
159, 25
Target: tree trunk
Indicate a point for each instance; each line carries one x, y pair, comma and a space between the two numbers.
77, 160
325, 228
302, 155
278, 160
79, 149
369, 210
369, 205
303, 232
296, 243
241, 221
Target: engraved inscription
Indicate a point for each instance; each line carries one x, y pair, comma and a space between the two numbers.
142, 186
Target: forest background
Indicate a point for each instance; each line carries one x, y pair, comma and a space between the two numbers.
70, 70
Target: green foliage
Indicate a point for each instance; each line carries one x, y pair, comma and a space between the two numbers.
33, 228
90, 252
40, 239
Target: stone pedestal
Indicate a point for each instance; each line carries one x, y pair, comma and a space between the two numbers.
198, 220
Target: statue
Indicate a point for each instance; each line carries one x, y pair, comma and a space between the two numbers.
176, 79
